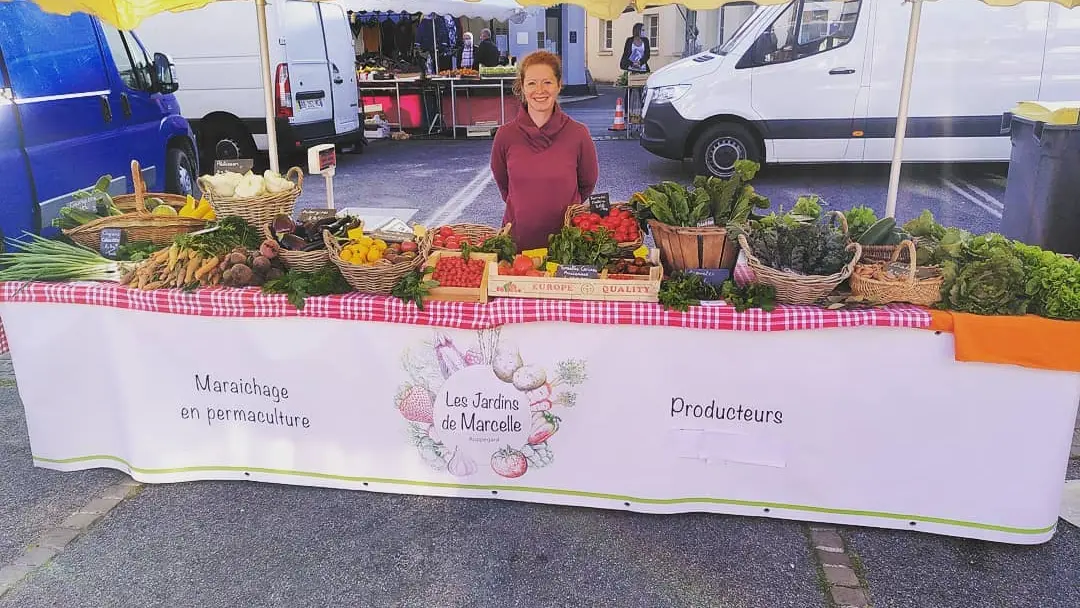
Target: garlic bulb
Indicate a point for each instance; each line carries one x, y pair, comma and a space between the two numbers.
460, 465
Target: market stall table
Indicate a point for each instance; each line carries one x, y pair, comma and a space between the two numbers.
859, 417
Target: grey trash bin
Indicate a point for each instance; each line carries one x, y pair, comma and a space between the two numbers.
1042, 194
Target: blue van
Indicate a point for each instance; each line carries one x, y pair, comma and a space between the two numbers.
80, 99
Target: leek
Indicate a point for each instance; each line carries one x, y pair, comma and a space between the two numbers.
42, 259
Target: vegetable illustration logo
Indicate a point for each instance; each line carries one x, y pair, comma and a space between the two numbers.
484, 406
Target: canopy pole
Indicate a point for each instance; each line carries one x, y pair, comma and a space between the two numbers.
268, 85
902, 113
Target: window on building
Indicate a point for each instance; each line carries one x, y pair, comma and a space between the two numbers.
652, 30
606, 28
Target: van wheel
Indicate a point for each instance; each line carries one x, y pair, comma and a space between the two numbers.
224, 141
180, 170
717, 149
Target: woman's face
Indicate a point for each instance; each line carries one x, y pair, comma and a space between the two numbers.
541, 88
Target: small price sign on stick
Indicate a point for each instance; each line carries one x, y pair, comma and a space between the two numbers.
600, 204
111, 240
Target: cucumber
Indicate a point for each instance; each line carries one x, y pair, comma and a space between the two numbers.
878, 233
103, 182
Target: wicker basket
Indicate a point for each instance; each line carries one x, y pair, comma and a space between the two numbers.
884, 253
139, 226
381, 276
924, 291
303, 261
126, 202
258, 210
794, 288
624, 248
685, 247
476, 233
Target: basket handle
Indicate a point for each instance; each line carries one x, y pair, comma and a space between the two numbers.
746, 249
843, 220
140, 188
299, 176
850, 268
331, 243
906, 244
504, 230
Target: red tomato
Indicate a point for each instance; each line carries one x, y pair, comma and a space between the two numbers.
438, 242
446, 232
522, 264
452, 242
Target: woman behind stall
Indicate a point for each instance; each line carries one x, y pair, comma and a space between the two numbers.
636, 52
543, 161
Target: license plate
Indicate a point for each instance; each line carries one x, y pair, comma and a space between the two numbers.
310, 104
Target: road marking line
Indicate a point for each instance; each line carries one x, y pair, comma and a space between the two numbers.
986, 195
468, 201
448, 207
971, 197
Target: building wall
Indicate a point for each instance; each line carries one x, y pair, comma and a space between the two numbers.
572, 40
671, 39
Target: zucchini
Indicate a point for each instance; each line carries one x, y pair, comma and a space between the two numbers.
103, 183
878, 233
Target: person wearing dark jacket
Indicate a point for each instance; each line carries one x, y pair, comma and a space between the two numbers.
636, 52
487, 54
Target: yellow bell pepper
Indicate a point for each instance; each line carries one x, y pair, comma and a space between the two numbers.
188, 210
203, 209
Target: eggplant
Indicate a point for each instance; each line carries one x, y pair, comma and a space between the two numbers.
315, 246
293, 242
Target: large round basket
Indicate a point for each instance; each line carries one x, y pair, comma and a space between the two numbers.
382, 276
302, 261
577, 209
476, 233
910, 289
794, 288
257, 210
685, 247
138, 226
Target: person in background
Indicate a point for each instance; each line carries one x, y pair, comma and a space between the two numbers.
467, 52
487, 54
543, 161
636, 52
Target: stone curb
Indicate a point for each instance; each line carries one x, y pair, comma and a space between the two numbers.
838, 570
55, 540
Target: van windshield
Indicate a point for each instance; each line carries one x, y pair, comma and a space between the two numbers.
727, 47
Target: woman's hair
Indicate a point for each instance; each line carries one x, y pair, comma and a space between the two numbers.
637, 29
536, 58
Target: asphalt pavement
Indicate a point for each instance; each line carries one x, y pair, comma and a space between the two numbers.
446, 181
252, 544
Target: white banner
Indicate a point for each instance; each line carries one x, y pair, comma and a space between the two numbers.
864, 426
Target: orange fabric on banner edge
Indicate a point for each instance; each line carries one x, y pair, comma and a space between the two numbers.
1028, 341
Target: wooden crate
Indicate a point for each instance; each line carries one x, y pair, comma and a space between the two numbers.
463, 294
637, 289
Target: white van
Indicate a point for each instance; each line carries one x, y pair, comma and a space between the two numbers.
216, 52
816, 81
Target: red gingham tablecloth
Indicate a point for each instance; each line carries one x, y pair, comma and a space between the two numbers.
251, 302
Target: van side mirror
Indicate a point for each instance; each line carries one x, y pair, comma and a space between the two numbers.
164, 74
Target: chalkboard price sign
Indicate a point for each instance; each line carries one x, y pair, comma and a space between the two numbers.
566, 271
87, 201
600, 204
234, 165
111, 240
712, 276
316, 214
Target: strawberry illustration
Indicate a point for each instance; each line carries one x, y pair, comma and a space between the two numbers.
415, 403
544, 426
509, 463
473, 356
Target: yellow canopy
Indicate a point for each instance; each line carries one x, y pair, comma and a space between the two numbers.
124, 14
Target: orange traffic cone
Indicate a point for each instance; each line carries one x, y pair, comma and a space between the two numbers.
620, 120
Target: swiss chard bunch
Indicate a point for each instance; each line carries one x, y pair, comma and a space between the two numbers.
732, 200
672, 204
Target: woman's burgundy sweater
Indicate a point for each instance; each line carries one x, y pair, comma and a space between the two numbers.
540, 172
